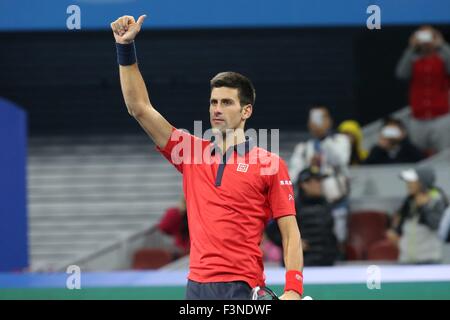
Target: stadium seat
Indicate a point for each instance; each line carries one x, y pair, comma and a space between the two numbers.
151, 258
365, 228
429, 152
383, 250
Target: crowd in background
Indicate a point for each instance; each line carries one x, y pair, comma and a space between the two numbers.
420, 226
319, 169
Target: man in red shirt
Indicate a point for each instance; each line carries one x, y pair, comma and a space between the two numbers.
174, 223
426, 64
232, 187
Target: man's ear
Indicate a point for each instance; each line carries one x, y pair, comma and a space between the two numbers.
247, 111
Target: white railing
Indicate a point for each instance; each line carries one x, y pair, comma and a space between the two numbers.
116, 255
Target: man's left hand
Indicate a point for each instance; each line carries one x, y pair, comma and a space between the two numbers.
291, 295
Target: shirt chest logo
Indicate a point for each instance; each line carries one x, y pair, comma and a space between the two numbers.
242, 167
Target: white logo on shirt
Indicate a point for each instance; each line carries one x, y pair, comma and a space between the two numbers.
286, 182
242, 167
291, 197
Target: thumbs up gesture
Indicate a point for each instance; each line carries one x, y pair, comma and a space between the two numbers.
126, 28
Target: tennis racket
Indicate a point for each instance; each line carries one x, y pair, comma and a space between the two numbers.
263, 293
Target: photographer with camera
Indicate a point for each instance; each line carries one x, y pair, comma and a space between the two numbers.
394, 145
426, 65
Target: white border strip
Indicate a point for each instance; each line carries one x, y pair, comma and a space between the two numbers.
360, 274
274, 276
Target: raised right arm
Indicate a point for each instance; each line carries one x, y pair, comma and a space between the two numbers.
133, 86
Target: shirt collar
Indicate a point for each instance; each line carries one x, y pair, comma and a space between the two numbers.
241, 148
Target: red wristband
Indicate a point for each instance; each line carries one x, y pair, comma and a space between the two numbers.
294, 281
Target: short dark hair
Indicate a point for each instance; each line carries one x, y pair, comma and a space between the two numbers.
396, 122
229, 79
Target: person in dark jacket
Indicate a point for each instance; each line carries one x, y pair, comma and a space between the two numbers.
316, 227
175, 224
394, 146
415, 226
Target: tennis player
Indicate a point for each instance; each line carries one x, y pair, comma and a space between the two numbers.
231, 191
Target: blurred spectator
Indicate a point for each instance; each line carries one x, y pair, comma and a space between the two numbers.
426, 64
330, 152
415, 225
175, 223
394, 146
315, 221
353, 130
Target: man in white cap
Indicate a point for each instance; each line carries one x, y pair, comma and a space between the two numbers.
415, 225
394, 145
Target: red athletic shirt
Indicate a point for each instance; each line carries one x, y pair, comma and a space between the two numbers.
429, 88
170, 224
229, 205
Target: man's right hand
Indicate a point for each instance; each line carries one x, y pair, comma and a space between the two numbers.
126, 28
413, 42
134, 89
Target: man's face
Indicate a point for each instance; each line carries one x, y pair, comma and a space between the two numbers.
429, 46
319, 122
225, 110
393, 135
413, 187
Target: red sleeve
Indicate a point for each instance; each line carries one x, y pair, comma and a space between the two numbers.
180, 148
170, 222
281, 193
